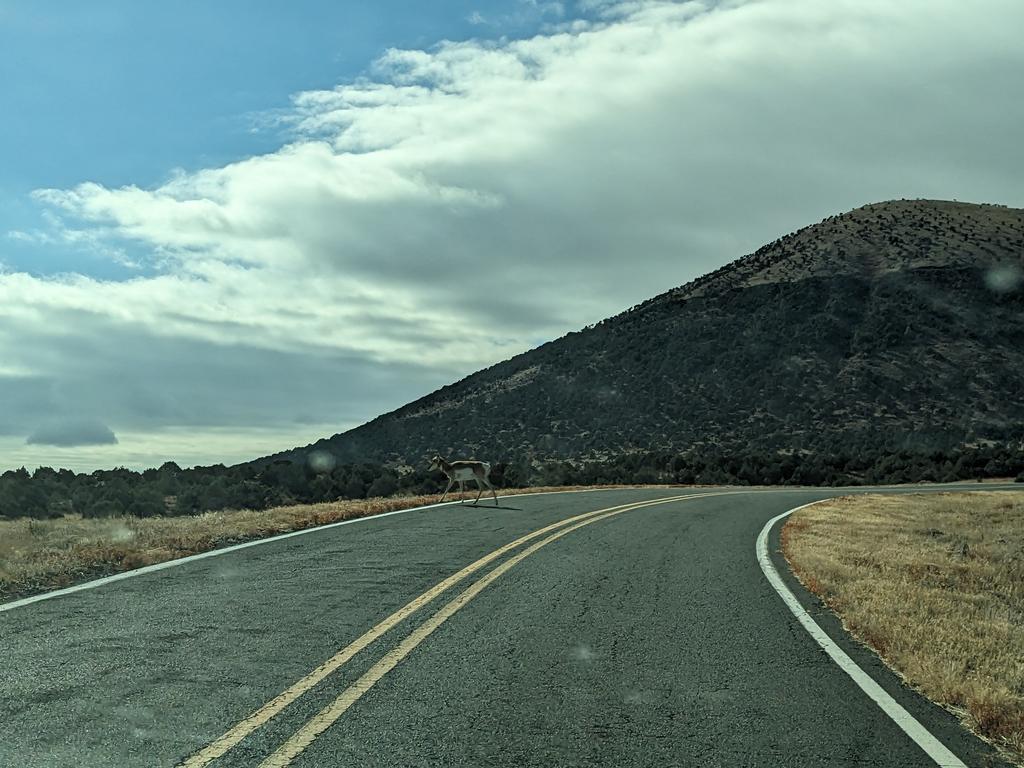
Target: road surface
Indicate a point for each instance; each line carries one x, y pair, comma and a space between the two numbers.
643, 635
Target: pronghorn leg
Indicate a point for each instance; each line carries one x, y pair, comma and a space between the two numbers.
488, 481
450, 484
462, 491
479, 487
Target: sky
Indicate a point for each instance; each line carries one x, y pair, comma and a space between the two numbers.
232, 228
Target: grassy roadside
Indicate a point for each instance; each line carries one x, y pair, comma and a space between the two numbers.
934, 583
38, 555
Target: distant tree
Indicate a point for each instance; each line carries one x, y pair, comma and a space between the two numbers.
215, 495
323, 487
44, 473
355, 488
33, 501
385, 485
167, 483
147, 502
105, 508
516, 475
188, 500
772, 473
497, 476
647, 476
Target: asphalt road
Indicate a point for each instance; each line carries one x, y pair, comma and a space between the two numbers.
647, 638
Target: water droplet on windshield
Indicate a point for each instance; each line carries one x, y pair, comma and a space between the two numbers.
121, 533
1003, 278
321, 461
583, 653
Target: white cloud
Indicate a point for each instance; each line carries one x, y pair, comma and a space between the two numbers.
33, 236
528, 12
97, 241
476, 197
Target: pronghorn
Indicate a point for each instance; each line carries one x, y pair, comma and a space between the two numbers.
461, 471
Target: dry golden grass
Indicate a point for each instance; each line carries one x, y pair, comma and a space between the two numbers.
36, 555
934, 583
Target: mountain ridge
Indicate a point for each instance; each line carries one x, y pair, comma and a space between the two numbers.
863, 327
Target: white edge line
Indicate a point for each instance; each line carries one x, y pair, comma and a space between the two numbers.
935, 749
256, 542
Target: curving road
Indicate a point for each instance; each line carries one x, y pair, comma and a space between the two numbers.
642, 635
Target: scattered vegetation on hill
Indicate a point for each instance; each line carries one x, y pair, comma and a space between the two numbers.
896, 324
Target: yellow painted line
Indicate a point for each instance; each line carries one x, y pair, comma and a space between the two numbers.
329, 714
276, 705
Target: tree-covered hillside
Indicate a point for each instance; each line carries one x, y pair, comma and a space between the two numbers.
895, 326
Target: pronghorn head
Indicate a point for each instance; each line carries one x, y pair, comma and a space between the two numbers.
436, 463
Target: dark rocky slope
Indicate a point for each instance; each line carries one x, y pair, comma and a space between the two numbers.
899, 324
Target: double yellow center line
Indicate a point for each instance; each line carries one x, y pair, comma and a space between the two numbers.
323, 720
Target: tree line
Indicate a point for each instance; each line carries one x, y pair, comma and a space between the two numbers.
171, 490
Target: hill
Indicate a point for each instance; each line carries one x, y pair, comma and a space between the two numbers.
897, 325
879, 346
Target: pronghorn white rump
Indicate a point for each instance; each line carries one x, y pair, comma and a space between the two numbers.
462, 471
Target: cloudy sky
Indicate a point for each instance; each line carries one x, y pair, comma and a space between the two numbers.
232, 228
